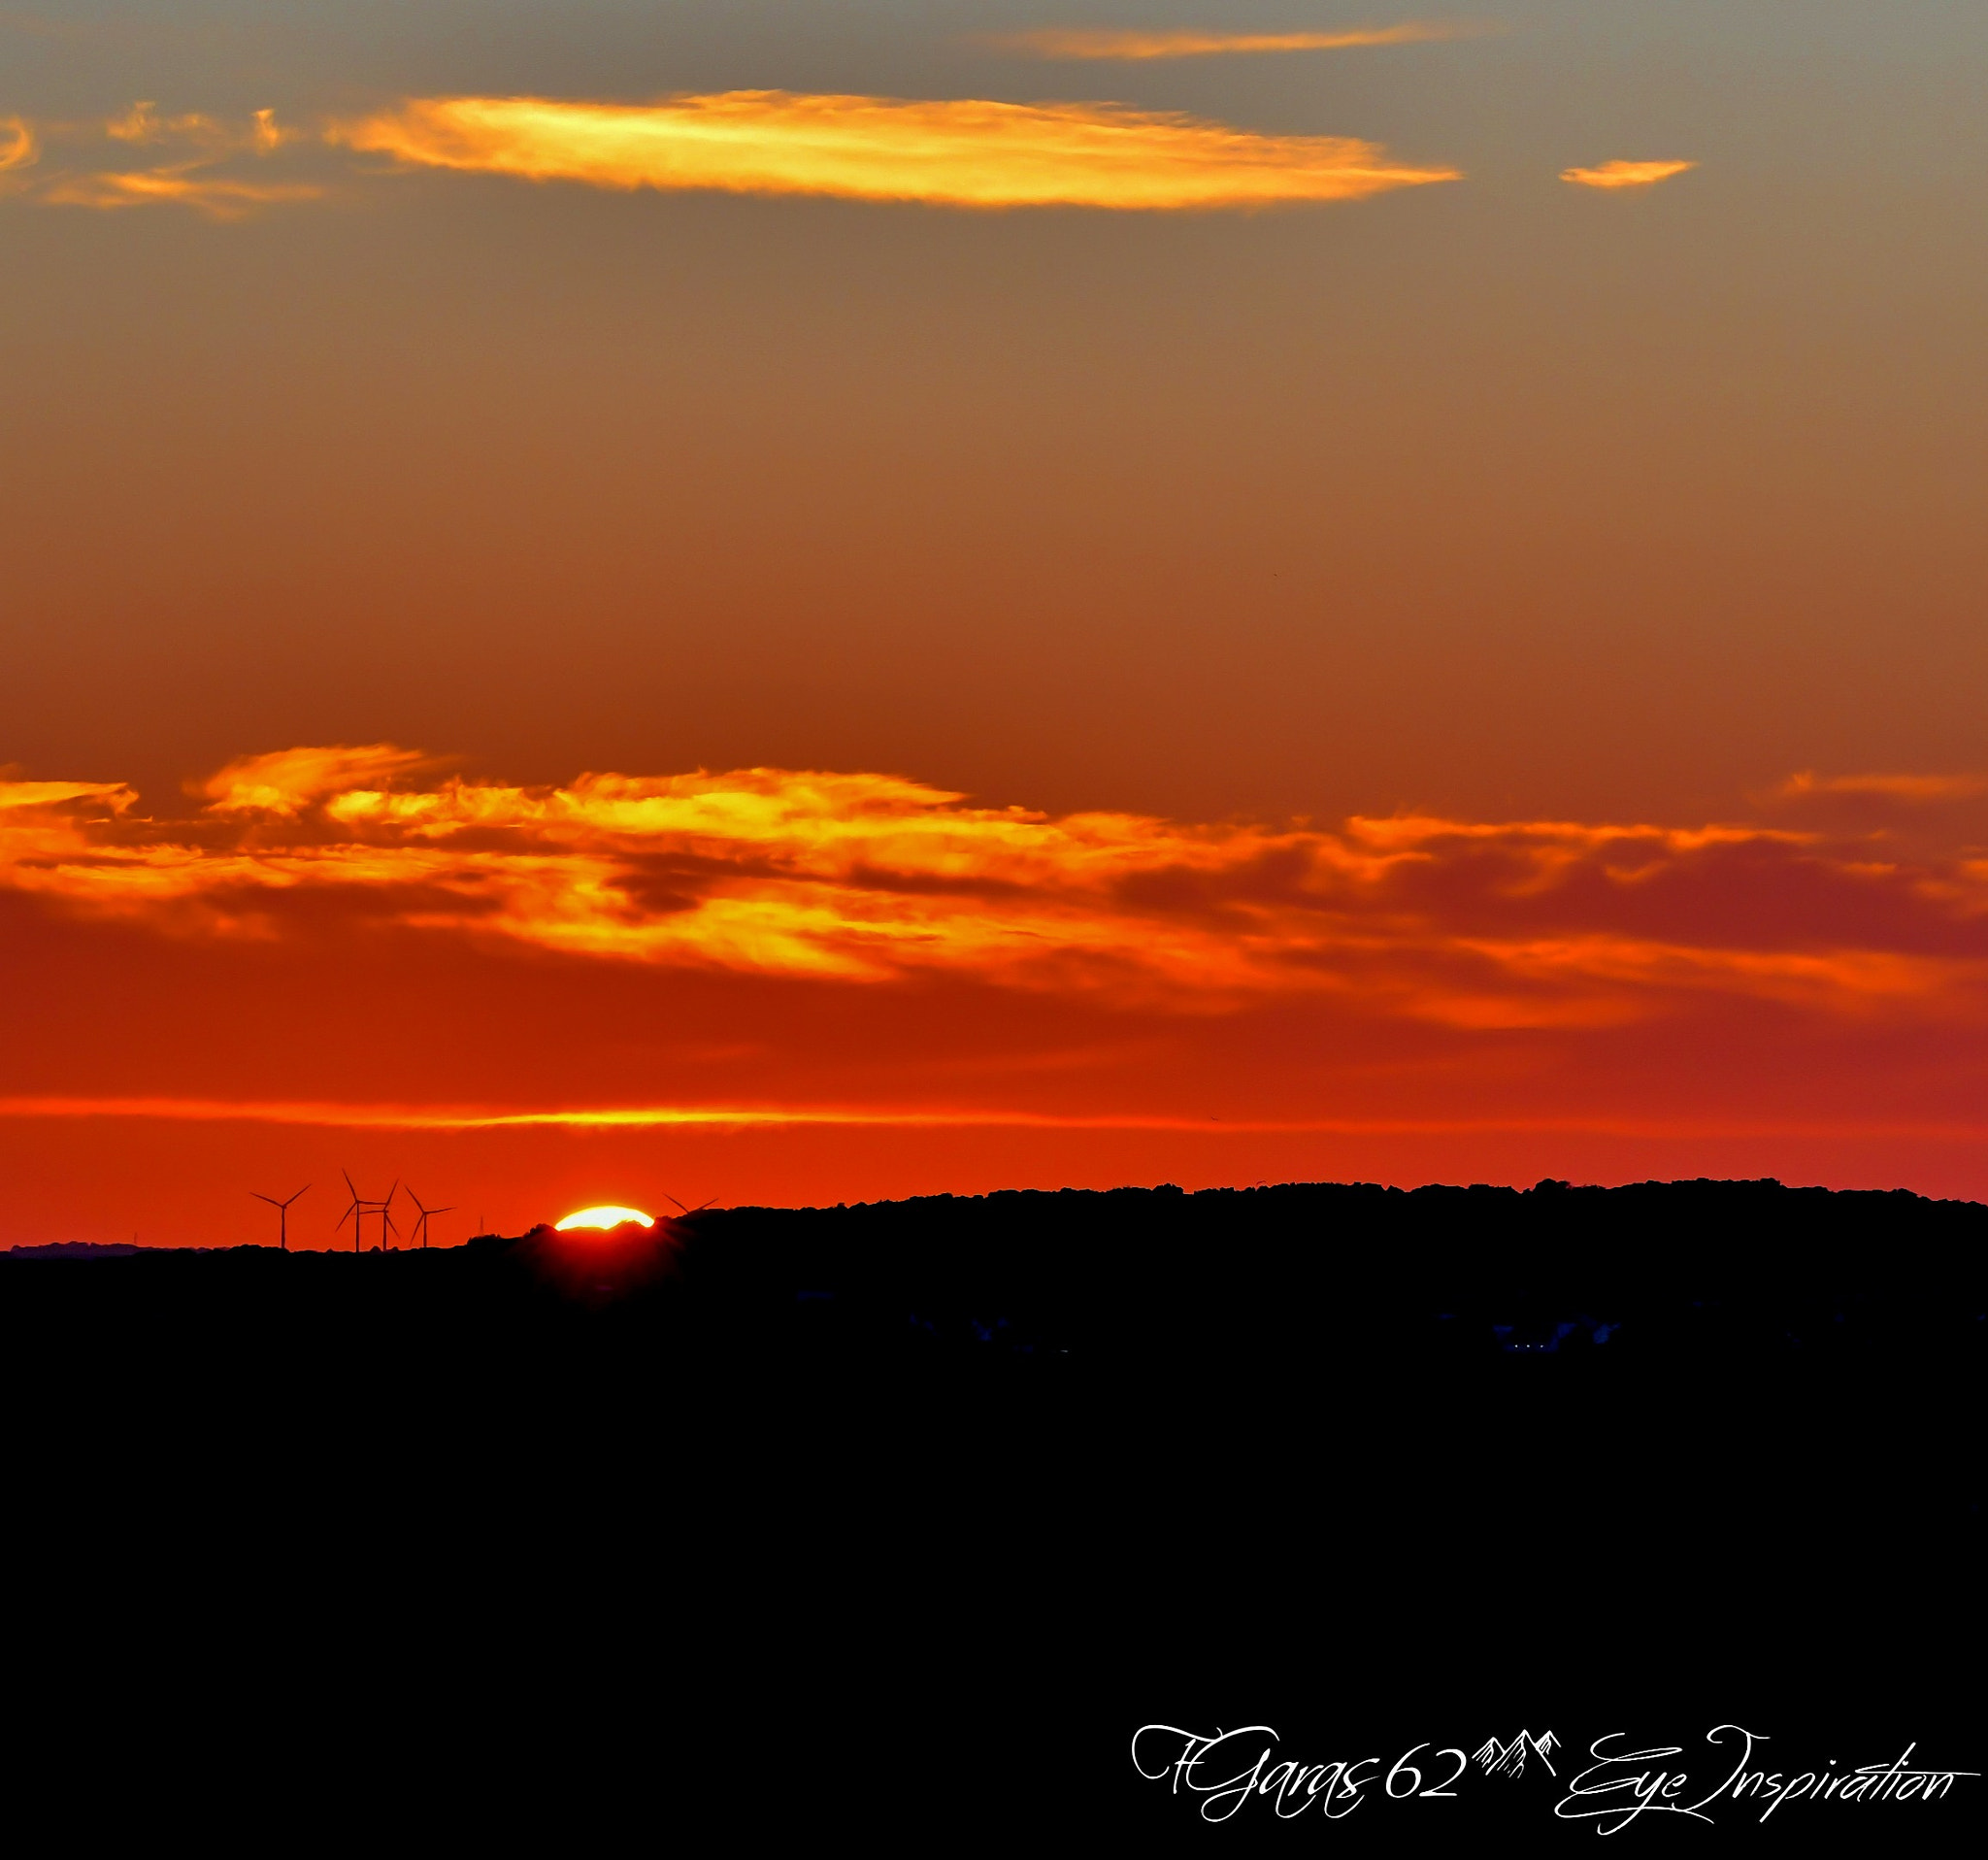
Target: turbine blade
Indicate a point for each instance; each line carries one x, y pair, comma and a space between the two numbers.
271, 1199
680, 1207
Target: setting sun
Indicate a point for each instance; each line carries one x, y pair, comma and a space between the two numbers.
605, 1218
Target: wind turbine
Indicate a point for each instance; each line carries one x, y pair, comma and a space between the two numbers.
427, 1214
352, 1214
358, 1211
688, 1211
283, 1214
385, 1219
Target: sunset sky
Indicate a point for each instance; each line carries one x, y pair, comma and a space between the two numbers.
801, 602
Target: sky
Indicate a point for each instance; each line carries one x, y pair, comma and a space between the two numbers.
798, 602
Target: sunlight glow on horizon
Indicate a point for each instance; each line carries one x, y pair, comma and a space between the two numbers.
605, 1218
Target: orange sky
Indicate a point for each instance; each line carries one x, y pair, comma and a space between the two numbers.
904, 599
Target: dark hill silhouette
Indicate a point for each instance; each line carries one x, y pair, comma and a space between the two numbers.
1301, 1283
1094, 1454
76, 1250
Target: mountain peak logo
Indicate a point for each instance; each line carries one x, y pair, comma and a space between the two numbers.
1510, 1759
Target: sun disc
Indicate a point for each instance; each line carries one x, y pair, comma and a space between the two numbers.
605, 1218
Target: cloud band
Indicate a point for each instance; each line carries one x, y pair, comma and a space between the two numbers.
1057, 42
865, 880
962, 154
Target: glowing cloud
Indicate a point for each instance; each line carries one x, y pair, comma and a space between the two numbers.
215, 196
45, 795
199, 179
965, 153
16, 144
305, 1115
1054, 42
143, 124
1626, 174
285, 782
866, 880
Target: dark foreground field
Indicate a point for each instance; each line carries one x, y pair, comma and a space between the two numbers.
912, 1513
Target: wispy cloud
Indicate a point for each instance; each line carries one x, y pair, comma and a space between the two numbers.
963, 154
218, 196
142, 124
43, 797
18, 148
1626, 174
205, 175
285, 782
1920, 788
865, 879
1079, 42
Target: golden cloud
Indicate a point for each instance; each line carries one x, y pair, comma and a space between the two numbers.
1076, 43
1626, 174
966, 153
286, 780
143, 124
215, 196
44, 796
866, 878
199, 179
16, 144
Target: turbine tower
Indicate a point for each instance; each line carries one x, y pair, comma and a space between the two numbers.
283, 1214
352, 1214
357, 1212
427, 1216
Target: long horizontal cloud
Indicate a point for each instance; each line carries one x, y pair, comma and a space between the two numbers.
862, 879
963, 154
1077, 43
1912, 789
319, 1115
219, 197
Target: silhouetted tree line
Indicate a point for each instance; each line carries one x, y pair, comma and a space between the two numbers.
1275, 1280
